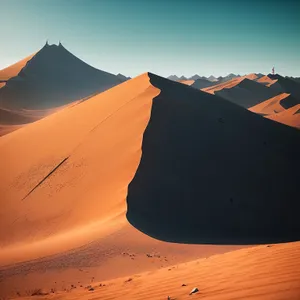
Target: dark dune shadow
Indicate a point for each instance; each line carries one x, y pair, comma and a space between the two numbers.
247, 93
202, 83
287, 85
289, 102
54, 77
213, 172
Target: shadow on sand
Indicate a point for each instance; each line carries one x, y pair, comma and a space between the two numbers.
213, 172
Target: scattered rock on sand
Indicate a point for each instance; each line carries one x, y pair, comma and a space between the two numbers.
183, 284
91, 289
38, 292
194, 290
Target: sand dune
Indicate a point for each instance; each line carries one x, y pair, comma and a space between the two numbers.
5, 129
187, 82
266, 80
79, 134
64, 189
45, 82
258, 273
51, 78
11, 120
247, 93
213, 172
228, 84
290, 117
270, 106
13, 70
286, 85
72, 193
76, 161
202, 83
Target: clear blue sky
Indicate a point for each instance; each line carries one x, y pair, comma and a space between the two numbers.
161, 36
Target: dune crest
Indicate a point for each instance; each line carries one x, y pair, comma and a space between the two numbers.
205, 162
89, 151
14, 70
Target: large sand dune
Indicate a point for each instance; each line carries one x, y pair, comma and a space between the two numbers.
213, 172
88, 144
65, 186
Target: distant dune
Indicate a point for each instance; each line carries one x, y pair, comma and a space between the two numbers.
228, 83
247, 93
213, 172
46, 82
270, 106
290, 117
202, 83
266, 80
286, 85
14, 70
51, 78
187, 82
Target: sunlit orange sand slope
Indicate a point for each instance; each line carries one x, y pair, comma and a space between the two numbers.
14, 69
73, 169
289, 117
187, 82
228, 84
11, 120
259, 273
270, 106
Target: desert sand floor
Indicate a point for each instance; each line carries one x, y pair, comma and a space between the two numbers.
269, 272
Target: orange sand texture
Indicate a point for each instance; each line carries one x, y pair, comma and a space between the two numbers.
270, 106
14, 69
63, 229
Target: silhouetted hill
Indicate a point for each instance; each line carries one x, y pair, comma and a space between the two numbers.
202, 83
183, 78
173, 77
213, 172
123, 77
259, 75
54, 77
196, 77
286, 85
227, 78
212, 78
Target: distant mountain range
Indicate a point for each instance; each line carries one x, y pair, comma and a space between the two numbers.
123, 77
210, 78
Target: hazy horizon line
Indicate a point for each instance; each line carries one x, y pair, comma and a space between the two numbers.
178, 74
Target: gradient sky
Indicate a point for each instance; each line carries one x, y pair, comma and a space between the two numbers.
161, 36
